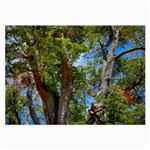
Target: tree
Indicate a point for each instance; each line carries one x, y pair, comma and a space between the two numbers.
46, 53
43, 58
31, 107
114, 38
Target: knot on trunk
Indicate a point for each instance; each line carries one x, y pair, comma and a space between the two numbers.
96, 113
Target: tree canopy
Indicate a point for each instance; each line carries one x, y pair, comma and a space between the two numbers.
75, 74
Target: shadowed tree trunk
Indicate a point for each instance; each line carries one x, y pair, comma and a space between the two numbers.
55, 107
49, 98
27, 118
31, 107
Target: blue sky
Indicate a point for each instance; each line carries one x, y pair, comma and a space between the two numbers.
81, 61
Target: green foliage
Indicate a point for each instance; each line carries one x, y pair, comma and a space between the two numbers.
115, 105
77, 107
79, 78
93, 72
135, 34
131, 73
77, 113
14, 105
117, 110
136, 115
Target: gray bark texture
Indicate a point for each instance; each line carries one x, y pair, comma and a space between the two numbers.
31, 107
107, 70
27, 118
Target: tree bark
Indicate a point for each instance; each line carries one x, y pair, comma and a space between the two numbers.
108, 65
49, 98
31, 108
107, 70
66, 91
27, 118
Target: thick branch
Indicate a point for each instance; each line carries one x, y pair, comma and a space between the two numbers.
104, 51
31, 107
128, 51
115, 40
45, 93
66, 91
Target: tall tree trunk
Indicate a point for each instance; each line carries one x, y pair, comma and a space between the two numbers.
66, 91
108, 66
49, 98
106, 75
31, 107
27, 118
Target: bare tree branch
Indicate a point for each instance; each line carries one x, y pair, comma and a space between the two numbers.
128, 51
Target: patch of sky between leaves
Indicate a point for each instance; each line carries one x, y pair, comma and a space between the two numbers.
81, 61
